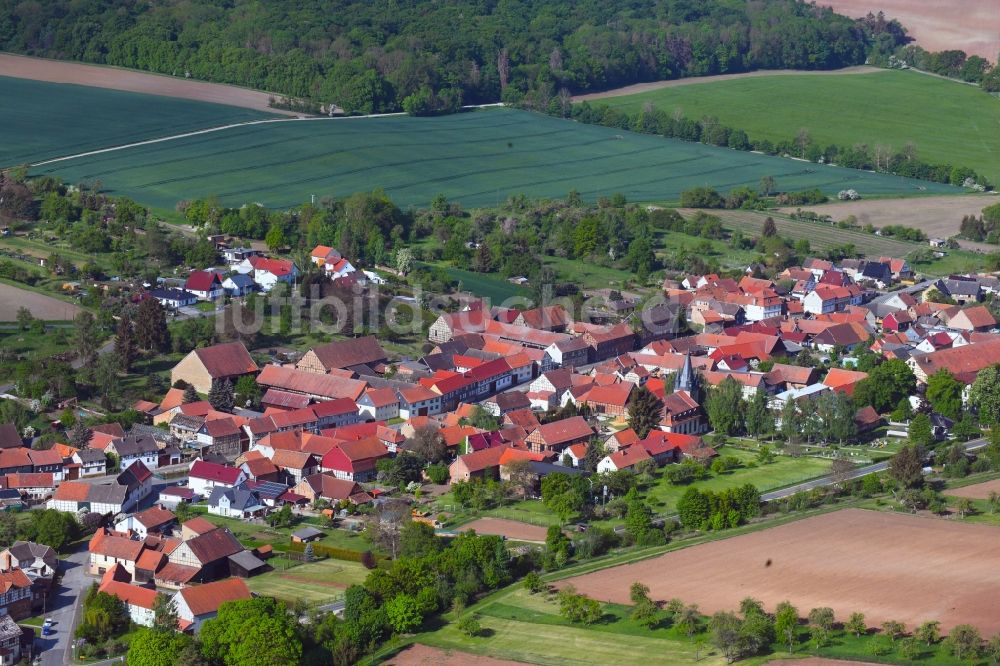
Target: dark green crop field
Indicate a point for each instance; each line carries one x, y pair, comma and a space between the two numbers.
476, 158
40, 120
947, 121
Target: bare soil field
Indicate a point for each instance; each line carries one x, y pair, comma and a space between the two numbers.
937, 216
422, 655
40, 305
512, 529
972, 26
691, 80
888, 566
60, 71
976, 491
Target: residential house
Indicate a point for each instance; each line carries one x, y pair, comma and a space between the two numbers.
315, 385
153, 520
206, 285
260, 469
32, 486
108, 549
138, 601
566, 354
15, 594
477, 465
269, 272
197, 604
204, 477
133, 449
295, 465
229, 361
549, 318
171, 496
235, 503
173, 298
221, 437
378, 404
418, 401
501, 403
961, 290
331, 489
39, 562
118, 496
356, 460
623, 459
237, 285
682, 414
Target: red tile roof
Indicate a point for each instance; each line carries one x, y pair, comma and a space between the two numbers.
566, 430
202, 281
214, 472
226, 360
205, 599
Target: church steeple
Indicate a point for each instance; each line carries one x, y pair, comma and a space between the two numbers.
686, 380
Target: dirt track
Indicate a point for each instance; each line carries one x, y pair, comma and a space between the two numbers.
888, 566
40, 305
60, 71
511, 529
936, 216
970, 25
691, 80
421, 655
976, 491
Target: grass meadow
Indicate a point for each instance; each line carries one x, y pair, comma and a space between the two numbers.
40, 120
318, 582
478, 158
946, 120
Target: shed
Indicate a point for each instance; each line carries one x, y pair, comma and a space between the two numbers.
307, 534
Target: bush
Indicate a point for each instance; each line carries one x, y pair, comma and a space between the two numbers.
438, 474
469, 625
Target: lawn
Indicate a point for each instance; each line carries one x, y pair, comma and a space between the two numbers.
319, 582
252, 535
47, 120
822, 237
784, 471
947, 121
493, 287
478, 159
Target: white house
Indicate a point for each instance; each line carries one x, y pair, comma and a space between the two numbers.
238, 284
206, 285
199, 603
174, 298
133, 449
204, 477
269, 272
418, 401
379, 404
374, 277
235, 503
92, 462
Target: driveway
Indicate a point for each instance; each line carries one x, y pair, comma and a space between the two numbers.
55, 650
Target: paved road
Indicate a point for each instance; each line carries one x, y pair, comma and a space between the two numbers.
55, 649
971, 445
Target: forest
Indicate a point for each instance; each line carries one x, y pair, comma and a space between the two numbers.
373, 55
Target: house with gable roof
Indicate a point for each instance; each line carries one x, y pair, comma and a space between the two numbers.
205, 285
269, 272
345, 354
195, 605
204, 477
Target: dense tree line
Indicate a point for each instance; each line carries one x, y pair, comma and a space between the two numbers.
708, 130
390, 54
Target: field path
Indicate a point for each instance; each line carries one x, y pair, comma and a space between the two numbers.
691, 80
116, 78
221, 128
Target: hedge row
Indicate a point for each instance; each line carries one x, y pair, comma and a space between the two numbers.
364, 557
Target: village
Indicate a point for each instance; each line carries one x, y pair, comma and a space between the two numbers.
502, 394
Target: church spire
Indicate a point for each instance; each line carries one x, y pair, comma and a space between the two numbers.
686, 380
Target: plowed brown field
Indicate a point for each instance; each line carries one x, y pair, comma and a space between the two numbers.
889, 566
